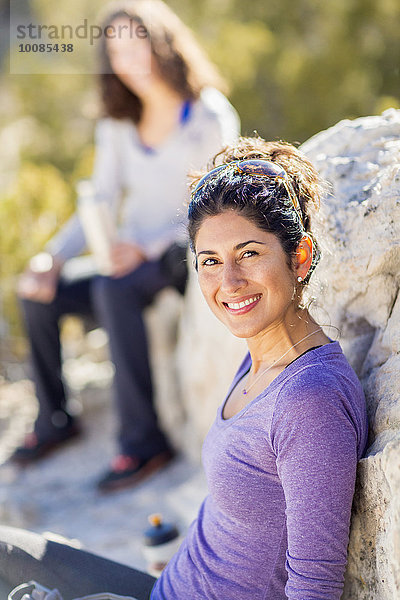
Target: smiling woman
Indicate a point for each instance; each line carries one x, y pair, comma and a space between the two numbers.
281, 456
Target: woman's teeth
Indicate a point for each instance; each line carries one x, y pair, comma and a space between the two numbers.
237, 305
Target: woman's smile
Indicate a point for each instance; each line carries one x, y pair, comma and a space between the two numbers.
240, 307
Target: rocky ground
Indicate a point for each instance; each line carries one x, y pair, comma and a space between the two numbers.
58, 494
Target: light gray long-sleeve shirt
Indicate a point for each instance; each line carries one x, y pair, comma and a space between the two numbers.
145, 188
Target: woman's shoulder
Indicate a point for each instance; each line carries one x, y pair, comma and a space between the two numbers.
214, 121
322, 384
325, 371
213, 100
212, 104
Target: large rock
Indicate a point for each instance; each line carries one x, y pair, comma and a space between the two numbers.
356, 288
360, 277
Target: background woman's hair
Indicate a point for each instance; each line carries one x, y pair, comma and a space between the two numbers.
260, 199
180, 60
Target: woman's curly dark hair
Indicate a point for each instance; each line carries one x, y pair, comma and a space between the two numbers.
179, 58
263, 201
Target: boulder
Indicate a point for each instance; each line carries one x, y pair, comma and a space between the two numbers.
358, 287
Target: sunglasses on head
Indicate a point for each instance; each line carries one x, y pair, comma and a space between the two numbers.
258, 168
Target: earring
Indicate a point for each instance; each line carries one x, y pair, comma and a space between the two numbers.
299, 279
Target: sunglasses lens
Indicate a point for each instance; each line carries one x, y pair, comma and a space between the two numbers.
206, 178
261, 167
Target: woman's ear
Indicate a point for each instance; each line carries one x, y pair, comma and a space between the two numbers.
303, 258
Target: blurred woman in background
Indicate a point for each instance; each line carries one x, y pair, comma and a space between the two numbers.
163, 115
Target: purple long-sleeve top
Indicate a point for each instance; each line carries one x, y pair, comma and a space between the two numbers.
281, 477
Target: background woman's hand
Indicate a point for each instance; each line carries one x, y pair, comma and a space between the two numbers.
39, 281
125, 258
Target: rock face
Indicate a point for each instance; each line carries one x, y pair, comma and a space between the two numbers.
360, 278
357, 284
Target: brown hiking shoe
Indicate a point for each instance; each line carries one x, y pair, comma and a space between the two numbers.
127, 471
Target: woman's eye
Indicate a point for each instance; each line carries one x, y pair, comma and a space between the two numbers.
249, 253
209, 262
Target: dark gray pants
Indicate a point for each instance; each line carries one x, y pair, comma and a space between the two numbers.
25, 556
117, 305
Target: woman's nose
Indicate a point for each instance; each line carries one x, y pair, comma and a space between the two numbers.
232, 278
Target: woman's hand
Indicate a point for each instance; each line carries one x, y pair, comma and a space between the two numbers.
125, 258
39, 281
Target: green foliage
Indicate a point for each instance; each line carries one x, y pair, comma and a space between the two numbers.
40, 200
56, 104
31, 210
299, 67
38, 203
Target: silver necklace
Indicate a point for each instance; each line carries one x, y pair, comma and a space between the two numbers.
246, 391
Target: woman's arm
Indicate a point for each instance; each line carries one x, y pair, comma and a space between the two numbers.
315, 442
